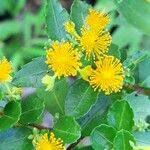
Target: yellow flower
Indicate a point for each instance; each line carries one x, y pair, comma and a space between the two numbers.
49, 143
94, 43
70, 27
63, 59
96, 20
108, 75
5, 70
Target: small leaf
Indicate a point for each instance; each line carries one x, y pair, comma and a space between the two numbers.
120, 116
102, 137
31, 74
81, 97
67, 129
56, 16
114, 51
32, 109
16, 139
96, 116
12, 112
55, 99
122, 140
76, 17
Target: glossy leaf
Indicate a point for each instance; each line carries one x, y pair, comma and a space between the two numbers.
31, 74
120, 116
55, 99
67, 129
81, 97
96, 116
32, 109
16, 139
56, 16
102, 137
11, 115
122, 140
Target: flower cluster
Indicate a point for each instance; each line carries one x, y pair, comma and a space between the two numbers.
91, 44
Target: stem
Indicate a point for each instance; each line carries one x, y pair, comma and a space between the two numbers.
8, 89
1, 113
40, 127
74, 144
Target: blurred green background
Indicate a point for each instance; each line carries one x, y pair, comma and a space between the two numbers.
23, 34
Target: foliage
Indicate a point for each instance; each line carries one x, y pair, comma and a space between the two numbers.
72, 109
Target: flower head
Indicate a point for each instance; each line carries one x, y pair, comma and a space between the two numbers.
96, 20
63, 59
70, 27
5, 70
49, 143
108, 76
94, 43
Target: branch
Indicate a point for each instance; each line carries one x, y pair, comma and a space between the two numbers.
138, 89
75, 144
40, 127
1, 113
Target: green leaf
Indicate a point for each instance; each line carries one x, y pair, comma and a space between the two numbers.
114, 51
136, 58
9, 28
102, 137
11, 115
79, 11
96, 116
143, 72
31, 74
137, 102
32, 109
16, 139
122, 140
1, 94
56, 16
136, 13
142, 138
55, 99
81, 97
67, 129
120, 116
